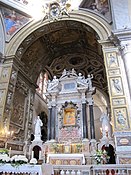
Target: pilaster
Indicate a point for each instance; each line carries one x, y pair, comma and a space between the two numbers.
118, 90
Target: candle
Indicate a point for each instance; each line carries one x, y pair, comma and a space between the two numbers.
39, 154
101, 130
9, 151
32, 155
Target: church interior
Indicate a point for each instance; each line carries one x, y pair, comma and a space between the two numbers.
65, 87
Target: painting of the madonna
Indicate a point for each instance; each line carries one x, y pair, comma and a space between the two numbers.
69, 118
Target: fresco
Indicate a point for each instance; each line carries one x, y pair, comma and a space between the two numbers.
24, 2
13, 20
100, 6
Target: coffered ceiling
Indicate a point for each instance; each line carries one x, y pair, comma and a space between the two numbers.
63, 45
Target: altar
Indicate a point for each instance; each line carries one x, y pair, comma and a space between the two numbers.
66, 159
67, 142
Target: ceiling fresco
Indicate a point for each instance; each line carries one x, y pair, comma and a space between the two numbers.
63, 45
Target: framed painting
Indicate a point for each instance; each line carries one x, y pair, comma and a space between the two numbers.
69, 118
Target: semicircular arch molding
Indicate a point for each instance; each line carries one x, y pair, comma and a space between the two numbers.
96, 22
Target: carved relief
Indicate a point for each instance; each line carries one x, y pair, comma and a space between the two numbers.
126, 160
124, 141
32, 98
19, 136
114, 72
30, 115
18, 109
118, 101
112, 60
2, 95
1, 110
9, 98
22, 87
20, 51
13, 76
5, 73
121, 118
116, 86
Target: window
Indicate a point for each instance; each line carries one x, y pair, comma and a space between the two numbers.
42, 83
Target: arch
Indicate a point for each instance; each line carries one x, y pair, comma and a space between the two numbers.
110, 152
96, 22
36, 150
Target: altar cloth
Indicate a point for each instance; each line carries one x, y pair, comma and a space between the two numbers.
25, 168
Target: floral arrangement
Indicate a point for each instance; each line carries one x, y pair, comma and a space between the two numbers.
18, 160
14, 161
4, 158
101, 157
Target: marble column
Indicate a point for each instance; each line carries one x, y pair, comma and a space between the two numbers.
91, 113
49, 123
53, 122
84, 116
126, 54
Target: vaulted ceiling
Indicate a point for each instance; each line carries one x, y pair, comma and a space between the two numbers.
63, 45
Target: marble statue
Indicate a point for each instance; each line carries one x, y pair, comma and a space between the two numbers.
64, 73
53, 84
120, 118
38, 123
112, 60
106, 127
89, 81
81, 80
117, 85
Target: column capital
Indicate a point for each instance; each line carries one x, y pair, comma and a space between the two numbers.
126, 46
90, 101
83, 100
53, 103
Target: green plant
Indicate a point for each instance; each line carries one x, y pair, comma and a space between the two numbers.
4, 151
101, 157
79, 147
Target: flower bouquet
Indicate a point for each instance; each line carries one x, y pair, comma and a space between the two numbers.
101, 157
4, 158
17, 160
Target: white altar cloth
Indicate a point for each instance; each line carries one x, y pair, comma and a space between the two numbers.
26, 168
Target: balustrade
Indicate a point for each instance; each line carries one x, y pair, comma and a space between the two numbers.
112, 169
